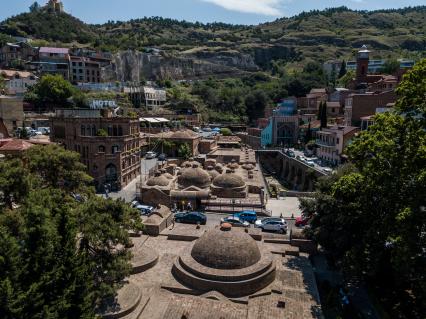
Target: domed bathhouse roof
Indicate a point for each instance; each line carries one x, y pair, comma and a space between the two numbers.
194, 176
248, 167
158, 180
184, 135
225, 260
228, 180
226, 250
212, 172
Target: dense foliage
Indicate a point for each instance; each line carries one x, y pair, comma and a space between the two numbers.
53, 90
59, 256
244, 99
370, 217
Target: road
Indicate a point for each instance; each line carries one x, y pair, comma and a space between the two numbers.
213, 219
128, 193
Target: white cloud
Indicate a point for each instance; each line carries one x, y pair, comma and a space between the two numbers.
265, 7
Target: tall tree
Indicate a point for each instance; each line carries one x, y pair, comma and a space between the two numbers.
308, 135
370, 216
256, 103
35, 7
51, 90
319, 111
343, 70
323, 118
59, 257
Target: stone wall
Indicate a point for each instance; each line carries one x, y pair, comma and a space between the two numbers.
11, 112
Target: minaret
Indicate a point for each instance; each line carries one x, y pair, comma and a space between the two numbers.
362, 59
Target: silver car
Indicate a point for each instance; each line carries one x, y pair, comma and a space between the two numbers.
275, 224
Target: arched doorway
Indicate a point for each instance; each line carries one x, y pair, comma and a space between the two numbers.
111, 176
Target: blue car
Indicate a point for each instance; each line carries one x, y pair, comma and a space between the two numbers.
191, 218
247, 216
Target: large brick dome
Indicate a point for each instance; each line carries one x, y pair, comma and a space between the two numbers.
228, 180
226, 250
194, 176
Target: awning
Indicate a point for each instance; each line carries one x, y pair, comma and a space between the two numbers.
153, 120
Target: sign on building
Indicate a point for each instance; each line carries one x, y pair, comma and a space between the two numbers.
101, 104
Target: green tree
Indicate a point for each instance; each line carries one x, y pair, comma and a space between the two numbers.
35, 7
58, 168
256, 103
412, 91
323, 118
51, 90
390, 66
225, 131
184, 151
14, 183
2, 84
308, 135
370, 216
59, 257
343, 70
347, 78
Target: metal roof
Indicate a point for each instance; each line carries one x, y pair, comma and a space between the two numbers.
153, 119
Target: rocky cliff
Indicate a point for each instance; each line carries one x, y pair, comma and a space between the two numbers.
135, 66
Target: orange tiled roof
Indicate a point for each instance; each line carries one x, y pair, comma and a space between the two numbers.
16, 145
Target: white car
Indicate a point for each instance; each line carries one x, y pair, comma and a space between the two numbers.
327, 170
135, 203
275, 224
150, 155
310, 163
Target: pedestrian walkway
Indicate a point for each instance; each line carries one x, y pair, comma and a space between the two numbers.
287, 206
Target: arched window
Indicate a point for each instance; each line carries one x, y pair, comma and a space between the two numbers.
101, 149
111, 173
114, 130
120, 131
93, 130
115, 149
109, 130
83, 130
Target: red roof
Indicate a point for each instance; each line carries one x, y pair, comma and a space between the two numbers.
16, 145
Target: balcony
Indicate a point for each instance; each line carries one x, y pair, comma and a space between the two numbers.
325, 144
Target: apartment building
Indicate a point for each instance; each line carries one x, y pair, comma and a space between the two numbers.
332, 141
109, 146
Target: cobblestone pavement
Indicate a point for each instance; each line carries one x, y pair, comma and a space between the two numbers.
287, 207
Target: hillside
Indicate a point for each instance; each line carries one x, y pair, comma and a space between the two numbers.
317, 35
51, 27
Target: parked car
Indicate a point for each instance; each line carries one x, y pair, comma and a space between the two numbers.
247, 216
145, 209
235, 222
272, 224
302, 221
191, 218
291, 154
135, 203
311, 163
162, 157
150, 155
328, 170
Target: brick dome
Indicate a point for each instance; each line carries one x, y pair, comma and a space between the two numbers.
158, 180
194, 176
228, 180
226, 250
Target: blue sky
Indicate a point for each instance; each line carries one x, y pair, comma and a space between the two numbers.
230, 11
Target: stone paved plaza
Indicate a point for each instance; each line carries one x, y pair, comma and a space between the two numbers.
286, 288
